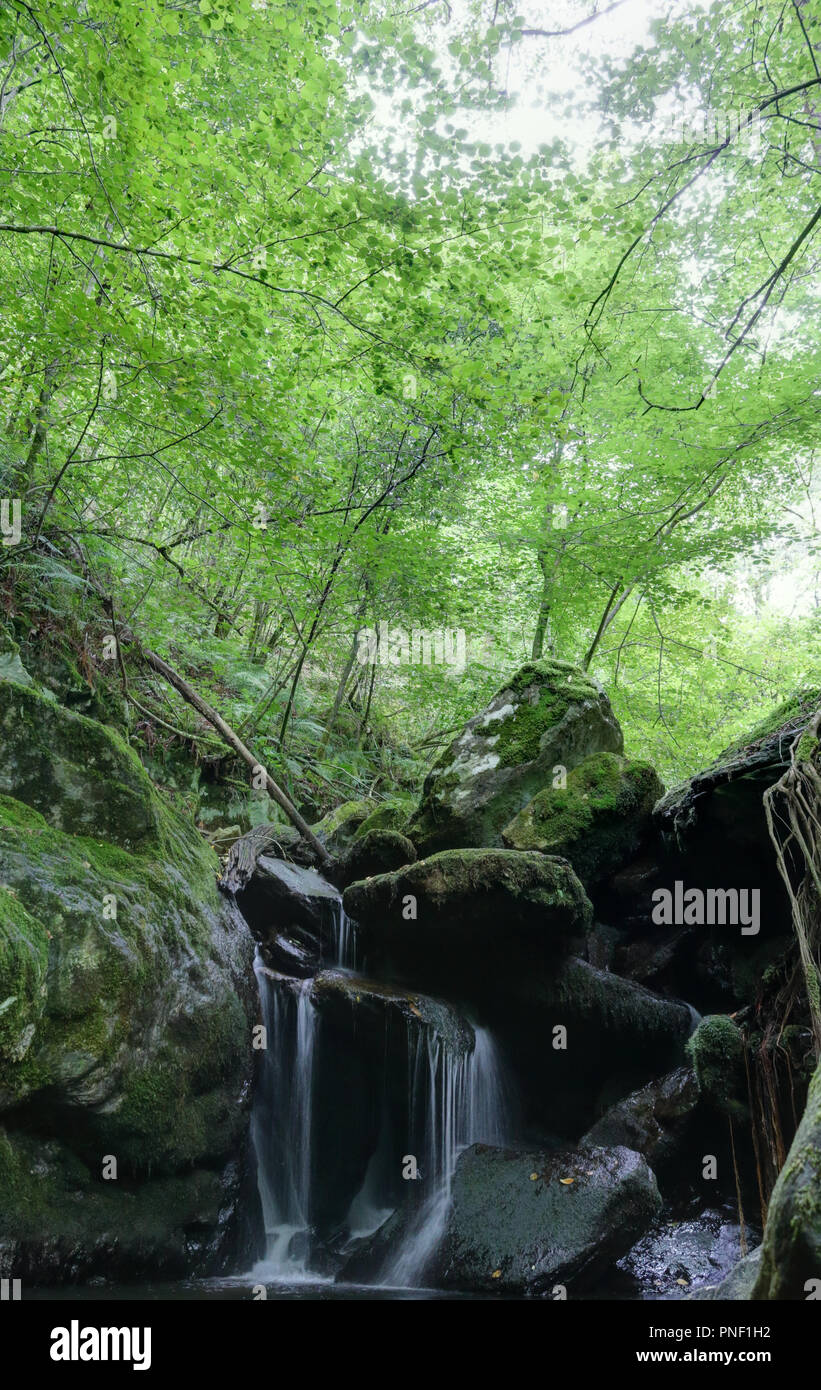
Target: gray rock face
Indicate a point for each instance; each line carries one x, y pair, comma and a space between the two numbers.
548, 714
526, 1220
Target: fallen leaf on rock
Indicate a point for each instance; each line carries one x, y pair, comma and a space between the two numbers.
567, 1181
497, 1274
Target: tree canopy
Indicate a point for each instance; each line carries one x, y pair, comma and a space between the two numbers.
305, 333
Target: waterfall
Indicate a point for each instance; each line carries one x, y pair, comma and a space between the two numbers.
343, 938
460, 1100
454, 1097
281, 1121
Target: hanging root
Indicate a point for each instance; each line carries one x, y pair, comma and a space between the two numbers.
791, 807
742, 1227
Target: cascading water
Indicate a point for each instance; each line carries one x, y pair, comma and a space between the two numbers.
454, 1097
453, 1101
281, 1121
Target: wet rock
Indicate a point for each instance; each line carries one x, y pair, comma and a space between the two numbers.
597, 821
344, 1000
678, 1257
375, 1055
652, 1120
526, 1220
290, 910
549, 715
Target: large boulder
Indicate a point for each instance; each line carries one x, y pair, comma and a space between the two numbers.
527, 1220
126, 989
292, 911
597, 821
791, 1251
444, 919
549, 715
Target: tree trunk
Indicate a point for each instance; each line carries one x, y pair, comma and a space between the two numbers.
233, 741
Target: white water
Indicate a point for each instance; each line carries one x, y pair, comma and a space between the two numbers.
464, 1097
453, 1100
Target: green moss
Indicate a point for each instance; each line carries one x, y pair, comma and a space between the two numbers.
807, 745
716, 1050
596, 820
23, 963
542, 693
802, 703
16, 814
389, 815
337, 829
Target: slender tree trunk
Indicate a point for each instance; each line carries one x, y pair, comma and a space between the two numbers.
227, 733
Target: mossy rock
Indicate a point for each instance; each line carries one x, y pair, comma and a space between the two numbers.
62, 1222
338, 829
475, 891
377, 852
549, 715
126, 990
717, 1052
597, 821
389, 815
79, 774
791, 1249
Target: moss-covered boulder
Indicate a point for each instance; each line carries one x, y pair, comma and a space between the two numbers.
377, 852
791, 1250
549, 716
526, 1220
126, 988
79, 774
717, 1052
597, 821
474, 893
392, 814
